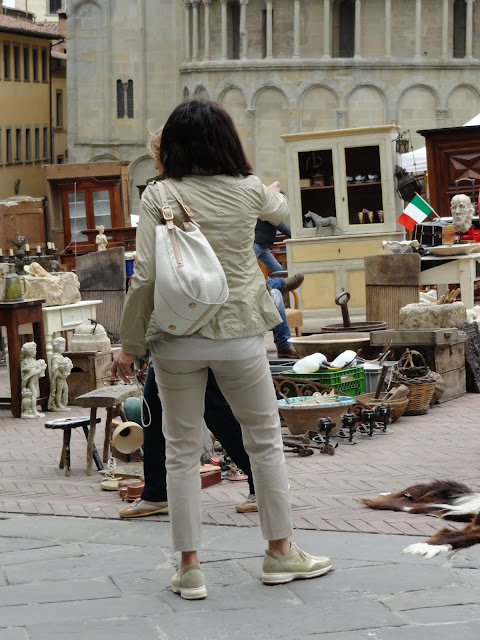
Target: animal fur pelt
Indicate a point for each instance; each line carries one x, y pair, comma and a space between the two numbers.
321, 222
446, 499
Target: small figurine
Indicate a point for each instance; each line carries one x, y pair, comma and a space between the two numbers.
32, 370
321, 222
462, 211
101, 238
60, 369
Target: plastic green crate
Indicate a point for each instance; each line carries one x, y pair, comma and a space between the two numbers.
350, 381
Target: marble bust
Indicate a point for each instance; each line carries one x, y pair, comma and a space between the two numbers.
462, 211
31, 369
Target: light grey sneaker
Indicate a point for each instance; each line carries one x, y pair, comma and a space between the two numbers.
189, 582
294, 565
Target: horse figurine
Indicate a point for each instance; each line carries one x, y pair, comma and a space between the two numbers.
321, 222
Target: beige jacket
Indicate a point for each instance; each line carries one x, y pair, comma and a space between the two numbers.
227, 209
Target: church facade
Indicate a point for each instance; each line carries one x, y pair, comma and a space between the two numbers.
278, 66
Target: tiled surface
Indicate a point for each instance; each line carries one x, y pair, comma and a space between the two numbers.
324, 489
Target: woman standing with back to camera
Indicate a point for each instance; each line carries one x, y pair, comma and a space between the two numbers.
203, 157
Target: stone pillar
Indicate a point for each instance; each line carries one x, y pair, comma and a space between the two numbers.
195, 4
206, 52
388, 28
445, 29
250, 146
418, 29
469, 31
327, 48
296, 28
224, 29
243, 30
441, 115
358, 28
188, 50
342, 118
269, 29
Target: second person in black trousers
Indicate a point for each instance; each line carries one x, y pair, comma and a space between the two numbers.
220, 421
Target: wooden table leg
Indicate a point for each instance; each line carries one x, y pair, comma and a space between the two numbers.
14, 348
91, 438
67, 433
108, 434
62, 457
96, 455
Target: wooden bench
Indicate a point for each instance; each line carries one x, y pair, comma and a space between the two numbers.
111, 399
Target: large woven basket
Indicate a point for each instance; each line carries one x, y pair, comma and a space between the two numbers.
418, 379
399, 406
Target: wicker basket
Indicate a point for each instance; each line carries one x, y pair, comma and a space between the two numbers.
419, 380
399, 406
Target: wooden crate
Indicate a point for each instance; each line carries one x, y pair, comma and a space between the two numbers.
88, 370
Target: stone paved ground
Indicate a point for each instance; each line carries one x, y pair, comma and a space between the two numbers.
82, 578
96, 575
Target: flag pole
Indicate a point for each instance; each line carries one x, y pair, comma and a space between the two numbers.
433, 210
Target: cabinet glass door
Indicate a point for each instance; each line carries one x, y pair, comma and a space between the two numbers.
364, 185
101, 208
317, 191
78, 216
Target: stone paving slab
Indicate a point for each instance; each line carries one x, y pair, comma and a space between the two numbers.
374, 591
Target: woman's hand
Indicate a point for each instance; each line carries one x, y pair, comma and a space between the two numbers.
275, 186
122, 366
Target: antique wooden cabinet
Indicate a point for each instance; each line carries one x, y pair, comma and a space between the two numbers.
453, 164
82, 197
347, 174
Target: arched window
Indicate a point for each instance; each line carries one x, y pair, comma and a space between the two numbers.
235, 30
130, 99
344, 28
125, 103
120, 100
459, 28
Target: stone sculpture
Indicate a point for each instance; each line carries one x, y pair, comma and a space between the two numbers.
31, 369
462, 211
60, 369
101, 238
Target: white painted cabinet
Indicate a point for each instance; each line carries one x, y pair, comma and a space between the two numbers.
347, 174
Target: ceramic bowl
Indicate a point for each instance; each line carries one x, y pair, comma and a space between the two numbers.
372, 177
300, 417
360, 178
349, 179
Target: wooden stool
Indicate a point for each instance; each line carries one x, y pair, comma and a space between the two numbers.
67, 424
111, 399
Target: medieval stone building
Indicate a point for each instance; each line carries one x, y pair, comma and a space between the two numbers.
278, 66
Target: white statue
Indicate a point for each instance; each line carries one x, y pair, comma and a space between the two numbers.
462, 211
101, 238
31, 369
60, 369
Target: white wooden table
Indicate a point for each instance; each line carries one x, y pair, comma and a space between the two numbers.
60, 318
461, 269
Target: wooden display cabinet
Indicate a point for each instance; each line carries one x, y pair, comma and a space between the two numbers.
347, 174
82, 197
453, 163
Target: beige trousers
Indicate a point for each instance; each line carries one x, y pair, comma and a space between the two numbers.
248, 388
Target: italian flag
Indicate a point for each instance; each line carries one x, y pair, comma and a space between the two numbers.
416, 211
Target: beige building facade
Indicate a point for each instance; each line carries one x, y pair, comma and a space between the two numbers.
43, 10
278, 66
25, 106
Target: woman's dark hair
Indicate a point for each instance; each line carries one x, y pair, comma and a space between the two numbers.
200, 137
